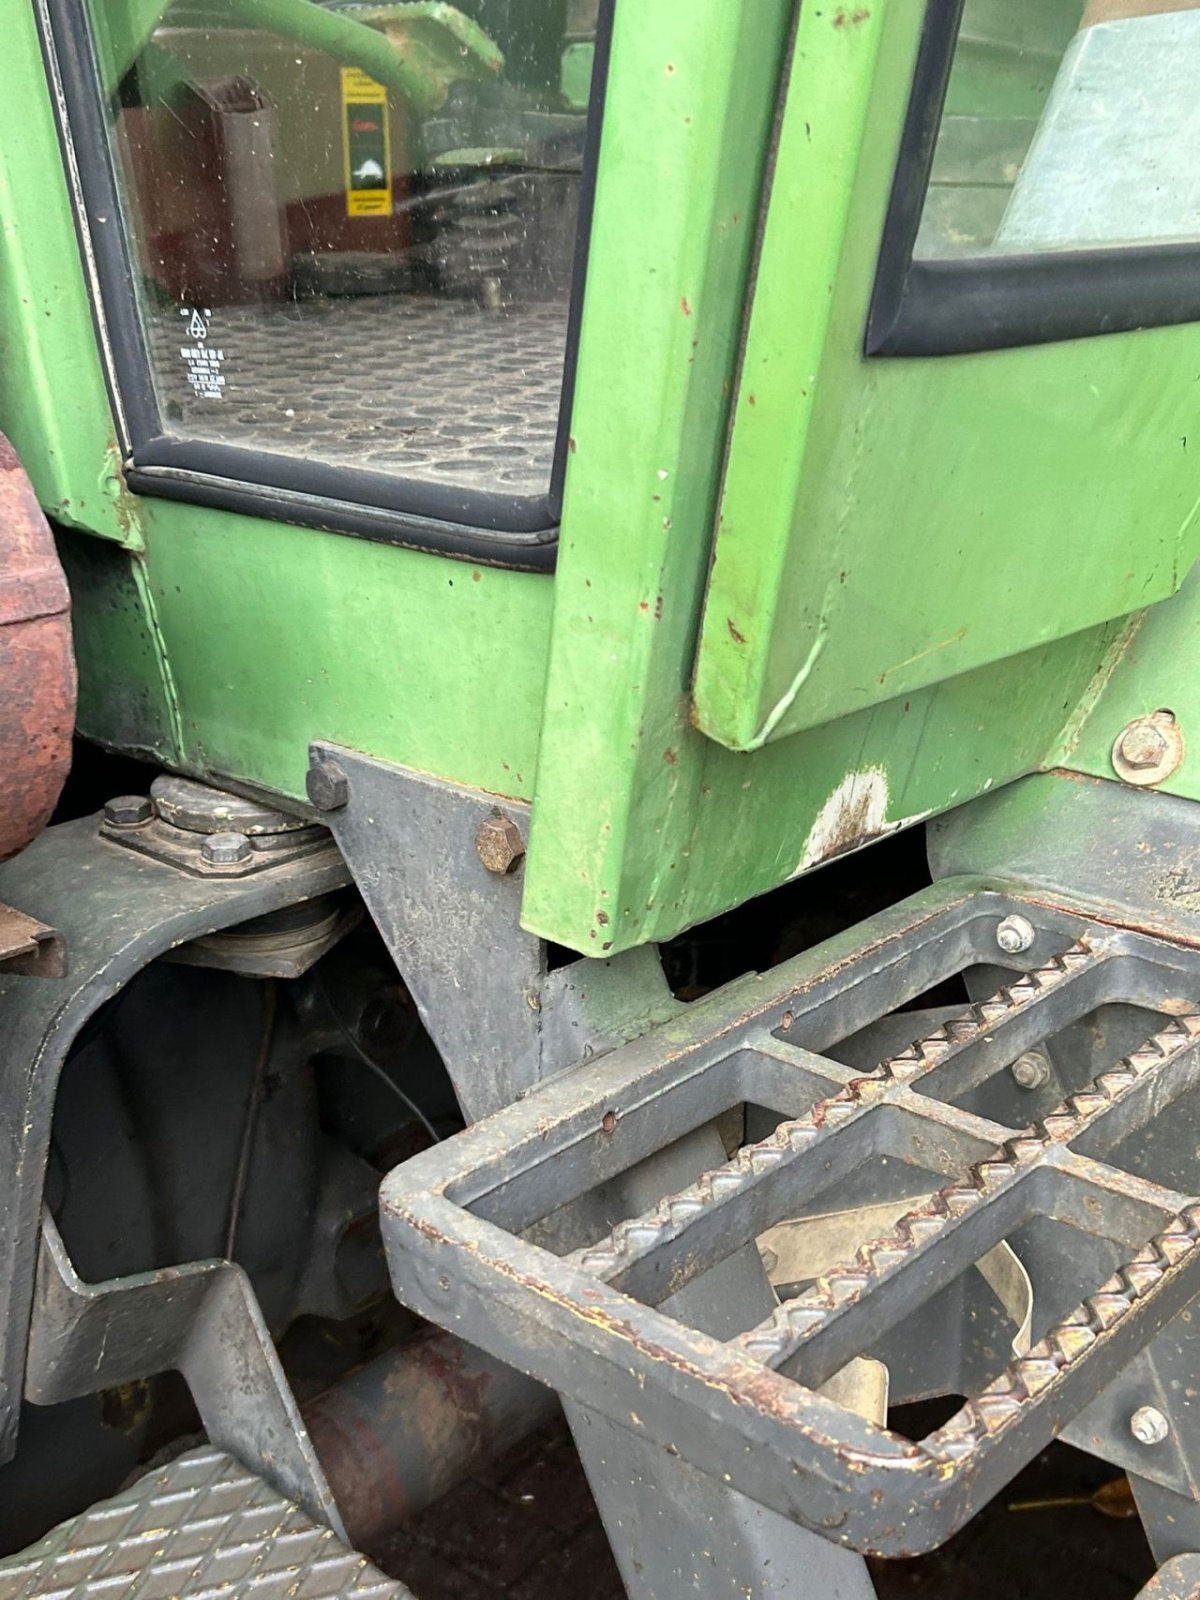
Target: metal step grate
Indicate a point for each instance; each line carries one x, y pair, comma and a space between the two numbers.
457, 1219
203, 1526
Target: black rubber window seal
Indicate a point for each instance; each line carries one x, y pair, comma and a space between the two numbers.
948, 307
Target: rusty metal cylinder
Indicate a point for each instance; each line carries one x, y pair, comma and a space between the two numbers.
402, 1430
37, 664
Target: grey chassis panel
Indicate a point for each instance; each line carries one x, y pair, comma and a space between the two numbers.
1128, 856
117, 911
591, 1323
452, 926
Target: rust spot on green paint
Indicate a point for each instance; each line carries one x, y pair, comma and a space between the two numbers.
670, 756
686, 309
738, 638
851, 19
602, 918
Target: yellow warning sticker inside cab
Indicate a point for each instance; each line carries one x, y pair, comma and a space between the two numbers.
367, 147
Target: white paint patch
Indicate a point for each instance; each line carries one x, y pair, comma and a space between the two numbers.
854, 814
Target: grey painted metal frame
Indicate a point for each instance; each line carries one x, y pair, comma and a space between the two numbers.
744, 1410
117, 911
452, 927
501, 1021
200, 1319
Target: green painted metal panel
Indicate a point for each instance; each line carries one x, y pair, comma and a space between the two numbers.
641, 825
276, 636
53, 403
1156, 671
886, 524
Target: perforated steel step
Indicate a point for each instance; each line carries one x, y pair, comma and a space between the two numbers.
199, 1528
1096, 1155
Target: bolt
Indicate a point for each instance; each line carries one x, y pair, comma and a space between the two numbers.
328, 786
1142, 745
1148, 750
499, 844
226, 849
128, 811
1148, 1425
1031, 1071
1015, 934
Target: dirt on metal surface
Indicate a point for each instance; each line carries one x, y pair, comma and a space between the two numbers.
527, 1528
37, 664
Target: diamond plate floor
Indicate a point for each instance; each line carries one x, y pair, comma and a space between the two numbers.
198, 1529
443, 391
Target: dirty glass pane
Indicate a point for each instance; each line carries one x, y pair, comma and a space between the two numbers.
1068, 127
353, 225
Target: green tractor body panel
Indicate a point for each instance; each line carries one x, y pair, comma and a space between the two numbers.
921, 565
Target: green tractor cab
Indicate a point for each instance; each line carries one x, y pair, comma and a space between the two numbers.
633, 564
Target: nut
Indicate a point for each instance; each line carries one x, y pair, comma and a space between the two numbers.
499, 844
1149, 1426
1015, 934
328, 786
128, 810
1148, 750
226, 849
1031, 1071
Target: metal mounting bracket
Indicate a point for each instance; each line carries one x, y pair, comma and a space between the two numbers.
117, 910
200, 1319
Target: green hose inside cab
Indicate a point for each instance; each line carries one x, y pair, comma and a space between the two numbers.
417, 48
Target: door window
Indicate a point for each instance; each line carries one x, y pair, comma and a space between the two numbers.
351, 230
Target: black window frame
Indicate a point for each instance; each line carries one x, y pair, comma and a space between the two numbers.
494, 528
956, 307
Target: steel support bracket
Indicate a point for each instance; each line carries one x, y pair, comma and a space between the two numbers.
117, 911
200, 1319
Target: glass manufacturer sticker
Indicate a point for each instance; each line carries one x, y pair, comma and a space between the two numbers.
202, 358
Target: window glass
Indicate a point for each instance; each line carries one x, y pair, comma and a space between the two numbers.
353, 225
1067, 127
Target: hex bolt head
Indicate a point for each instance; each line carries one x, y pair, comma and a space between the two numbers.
226, 849
1142, 745
499, 844
1149, 1426
1031, 1071
1015, 934
328, 786
1148, 749
128, 810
